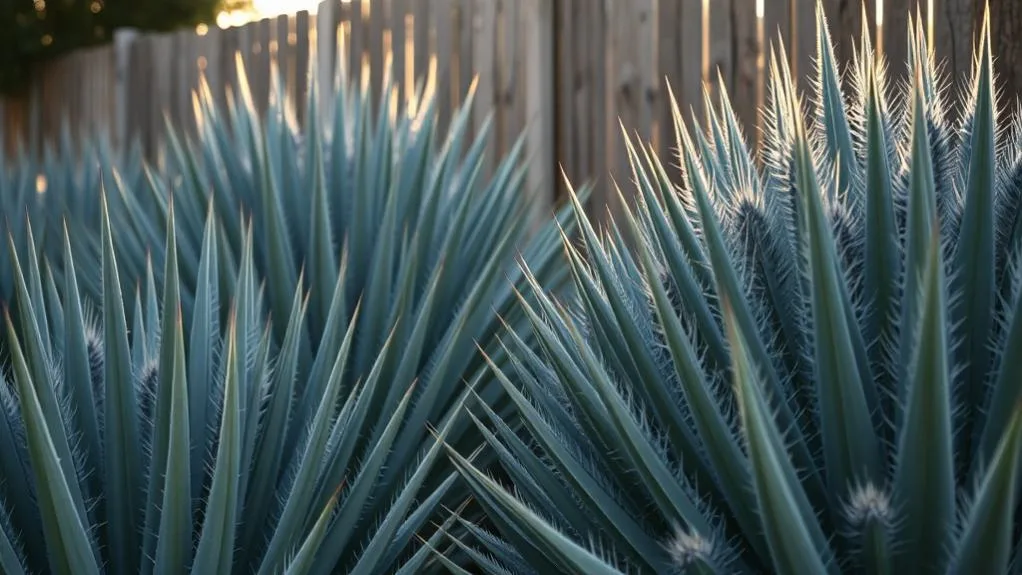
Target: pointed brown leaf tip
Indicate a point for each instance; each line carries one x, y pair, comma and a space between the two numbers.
412, 386
727, 310
338, 489
935, 232
1018, 406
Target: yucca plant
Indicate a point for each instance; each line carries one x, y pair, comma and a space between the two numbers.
307, 310
807, 365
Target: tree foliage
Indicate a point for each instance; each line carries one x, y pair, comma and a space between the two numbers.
33, 31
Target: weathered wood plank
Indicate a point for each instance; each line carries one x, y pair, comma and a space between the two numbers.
375, 45
212, 70
137, 98
777, 18
466, 64
895, 36
162, 82
232, 48
632, 85
328, 58
486, 110
279, 55
847, 25
691, 67
722, 57
302, 59
187, 62
261, 65
955, 33
802, 46
569, 32
421, 34
539, 16
503, 124
398, 37
584, 94
599, 31
670, 64
445, 43
514, 80
359, 32
744, 84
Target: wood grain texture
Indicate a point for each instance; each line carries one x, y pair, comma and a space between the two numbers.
398, 10
722, 45
577, 69
895, 35
744, 85
446, 48
486, 111
327, 58
569, 31
375, 43
599, 33
801, 47
954, 37
510, 92
467, 69
540, 53
301, 60
1006, 40
424, 46
847, 24
359, 31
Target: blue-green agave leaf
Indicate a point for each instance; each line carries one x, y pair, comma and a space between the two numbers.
924, 480
984, 545
796, 541
69, 546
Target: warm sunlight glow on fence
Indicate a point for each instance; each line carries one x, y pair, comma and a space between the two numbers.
929, 25
266, 9
274, 7
880, 26
706, 41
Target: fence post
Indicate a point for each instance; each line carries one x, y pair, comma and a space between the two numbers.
326, 54
483, 28
541, 144
631, 88
124, 39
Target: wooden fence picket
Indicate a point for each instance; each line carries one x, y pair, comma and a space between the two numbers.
563, 75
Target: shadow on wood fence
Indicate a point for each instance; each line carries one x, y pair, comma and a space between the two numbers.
563, 72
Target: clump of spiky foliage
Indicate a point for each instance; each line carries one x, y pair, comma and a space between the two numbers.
308, 305
805, 367
123, 452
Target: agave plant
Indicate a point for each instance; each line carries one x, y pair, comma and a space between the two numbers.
126, 453
61, 189
379, 179
308, 306
806, 365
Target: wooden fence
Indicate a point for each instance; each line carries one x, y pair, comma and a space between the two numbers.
564, 72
